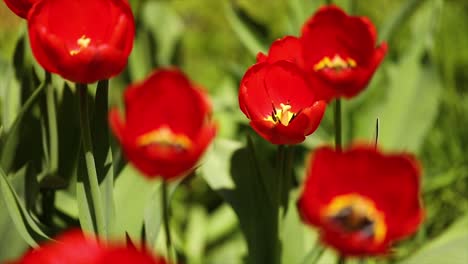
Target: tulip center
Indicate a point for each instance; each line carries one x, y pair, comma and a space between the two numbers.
336, 63
282, 115
164, 137
83, 43
353, 213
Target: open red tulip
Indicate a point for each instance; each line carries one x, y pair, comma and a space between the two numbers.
167, 124
75, 248
83, 41
341, 50
362, 200
280, 102
20, 7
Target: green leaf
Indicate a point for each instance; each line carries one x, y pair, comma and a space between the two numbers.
16, 244
132, 194
298, 238
9, 143
241, 184
167, 28
195, 235
29, 229
83, 198
450, 247
143, 56
153, 212
103, 153
248, 39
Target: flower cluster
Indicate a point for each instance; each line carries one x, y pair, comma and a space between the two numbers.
285, 93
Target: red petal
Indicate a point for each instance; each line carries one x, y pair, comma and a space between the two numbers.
284, 83
253, 97
288, 48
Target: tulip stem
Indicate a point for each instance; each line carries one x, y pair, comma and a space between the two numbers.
93, 184
338, 143
52, 122
328, 2
167, 231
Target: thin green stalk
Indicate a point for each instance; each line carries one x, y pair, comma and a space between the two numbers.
338, 142
52, 122
165, 206
329, 2
89, 159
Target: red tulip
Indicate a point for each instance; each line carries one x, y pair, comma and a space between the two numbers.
280, 103
74, 248
362, 200
341, 50
168, 124
83, 41
20, 7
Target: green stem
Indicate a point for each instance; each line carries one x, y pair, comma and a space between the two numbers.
338, 142
288, 171
48, 207
329, 2
52, 122
99, 221
281, 173
165, 206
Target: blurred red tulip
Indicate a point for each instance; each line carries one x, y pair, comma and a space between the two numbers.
280, 103
20, 7
362, 200
83, 41
167, 124
341, 50
74, 248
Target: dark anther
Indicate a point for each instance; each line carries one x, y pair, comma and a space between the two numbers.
273, 107
273, 116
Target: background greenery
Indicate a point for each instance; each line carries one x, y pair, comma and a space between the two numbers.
419, 95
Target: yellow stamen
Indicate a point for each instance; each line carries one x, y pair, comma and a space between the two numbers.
283, 115
336, 63
362, 213
164, 137
82, 42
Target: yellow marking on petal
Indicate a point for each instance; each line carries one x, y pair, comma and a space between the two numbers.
336, 63
164, 137
83, 43
282, 115
362, 208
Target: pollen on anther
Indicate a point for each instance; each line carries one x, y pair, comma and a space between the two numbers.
83, 42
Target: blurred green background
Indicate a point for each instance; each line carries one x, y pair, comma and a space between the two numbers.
419, 95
